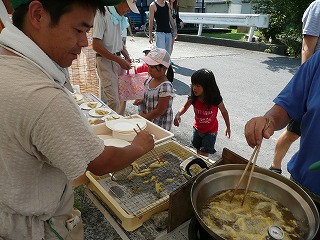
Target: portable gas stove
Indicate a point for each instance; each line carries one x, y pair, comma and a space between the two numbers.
197, 232
190, 230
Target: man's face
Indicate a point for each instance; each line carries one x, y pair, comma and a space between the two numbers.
122, 8
63, 42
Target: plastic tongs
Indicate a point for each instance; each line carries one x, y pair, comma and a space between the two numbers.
122, 174
315, 166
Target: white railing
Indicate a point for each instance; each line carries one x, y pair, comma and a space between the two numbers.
247, 20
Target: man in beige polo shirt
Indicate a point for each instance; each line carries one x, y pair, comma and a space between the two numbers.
44, 141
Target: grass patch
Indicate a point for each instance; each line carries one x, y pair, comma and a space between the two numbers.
233, 35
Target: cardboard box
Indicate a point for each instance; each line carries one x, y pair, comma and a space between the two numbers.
159, 133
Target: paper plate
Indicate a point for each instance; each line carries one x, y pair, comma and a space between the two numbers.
94, 112
104, 137
87, 106
141, 122
116, 142
126, 125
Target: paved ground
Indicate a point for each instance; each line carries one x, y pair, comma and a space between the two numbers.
248, 81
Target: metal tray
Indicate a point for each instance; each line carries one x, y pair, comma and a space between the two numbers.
135, 201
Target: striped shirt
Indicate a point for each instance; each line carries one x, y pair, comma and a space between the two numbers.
151, 98
311, 21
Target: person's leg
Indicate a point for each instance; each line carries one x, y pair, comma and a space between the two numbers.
168, 42
202, 153
122, 104
283, 144
173, 39
109, 82
196, 139
208, 143
160, 40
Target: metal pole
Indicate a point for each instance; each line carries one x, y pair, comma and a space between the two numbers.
251, 32
200, 29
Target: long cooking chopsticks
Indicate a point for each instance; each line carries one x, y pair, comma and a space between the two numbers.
254, 156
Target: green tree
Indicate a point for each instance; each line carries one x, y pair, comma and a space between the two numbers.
285, 24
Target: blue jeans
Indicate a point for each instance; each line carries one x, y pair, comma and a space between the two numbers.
204, 142
164, 40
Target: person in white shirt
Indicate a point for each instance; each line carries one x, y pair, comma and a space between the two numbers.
107, 42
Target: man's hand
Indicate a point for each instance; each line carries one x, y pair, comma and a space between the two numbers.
124, 64
143, 140
255, 130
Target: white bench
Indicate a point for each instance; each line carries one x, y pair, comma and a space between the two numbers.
247, 20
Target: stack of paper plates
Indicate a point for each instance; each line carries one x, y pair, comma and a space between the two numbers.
126, 125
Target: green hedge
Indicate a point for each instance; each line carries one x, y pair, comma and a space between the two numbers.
285, 25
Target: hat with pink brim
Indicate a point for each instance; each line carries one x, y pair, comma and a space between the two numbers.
157, 56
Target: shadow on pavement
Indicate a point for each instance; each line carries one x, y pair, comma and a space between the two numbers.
276, 64
180, 87
183, 70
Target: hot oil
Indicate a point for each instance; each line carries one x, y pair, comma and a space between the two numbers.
230, 220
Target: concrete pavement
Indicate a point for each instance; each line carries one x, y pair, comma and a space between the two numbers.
248, 81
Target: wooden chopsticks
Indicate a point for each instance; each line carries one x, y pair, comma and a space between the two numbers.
254, 156
154, 152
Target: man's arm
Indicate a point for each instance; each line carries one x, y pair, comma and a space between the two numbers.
308, 47
130, 30
178, 19
254, 128
152, 10
97, 46
114, 159
125, 53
